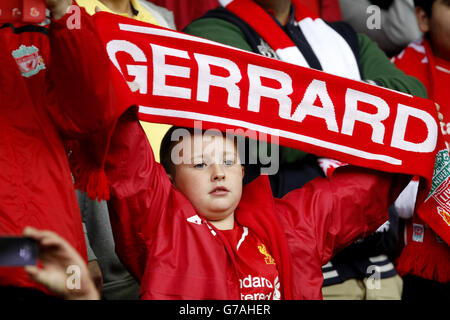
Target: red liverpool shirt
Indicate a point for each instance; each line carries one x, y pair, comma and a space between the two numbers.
258, 273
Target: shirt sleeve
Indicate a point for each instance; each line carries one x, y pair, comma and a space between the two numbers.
80, 90
335, 212
140, 189
376, 66
220, 31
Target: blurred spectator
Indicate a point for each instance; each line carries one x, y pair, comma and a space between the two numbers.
113, 281
391, 24
425, 259
41, 108
185, 12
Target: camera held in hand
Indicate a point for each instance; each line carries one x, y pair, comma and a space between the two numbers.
18, 251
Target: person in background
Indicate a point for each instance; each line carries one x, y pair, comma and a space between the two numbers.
185, 13
111, 278
424, 263
44, 69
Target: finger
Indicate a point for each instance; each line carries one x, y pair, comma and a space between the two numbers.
59, 248
35, 274
32, 271
34, 233
51, 240
47, 240
438, 107
29, 232
53, 281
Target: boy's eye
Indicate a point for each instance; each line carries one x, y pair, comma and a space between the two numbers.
200, 165
229, 162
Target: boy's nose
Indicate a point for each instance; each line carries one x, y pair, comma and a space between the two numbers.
218, 172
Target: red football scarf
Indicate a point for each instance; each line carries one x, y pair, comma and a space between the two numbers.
439, 197
181, 79
425, 254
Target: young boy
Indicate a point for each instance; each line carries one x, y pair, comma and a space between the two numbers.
425, 260
191, 231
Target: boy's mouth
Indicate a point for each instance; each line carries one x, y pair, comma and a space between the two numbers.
219, 191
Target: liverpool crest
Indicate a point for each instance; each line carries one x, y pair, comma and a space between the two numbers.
444, 214
441, 173
268, 258
29, 60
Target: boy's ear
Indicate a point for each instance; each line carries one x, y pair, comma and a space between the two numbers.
423, 21
243, 172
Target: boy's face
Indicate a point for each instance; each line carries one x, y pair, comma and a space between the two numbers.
437, 26
210, 176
